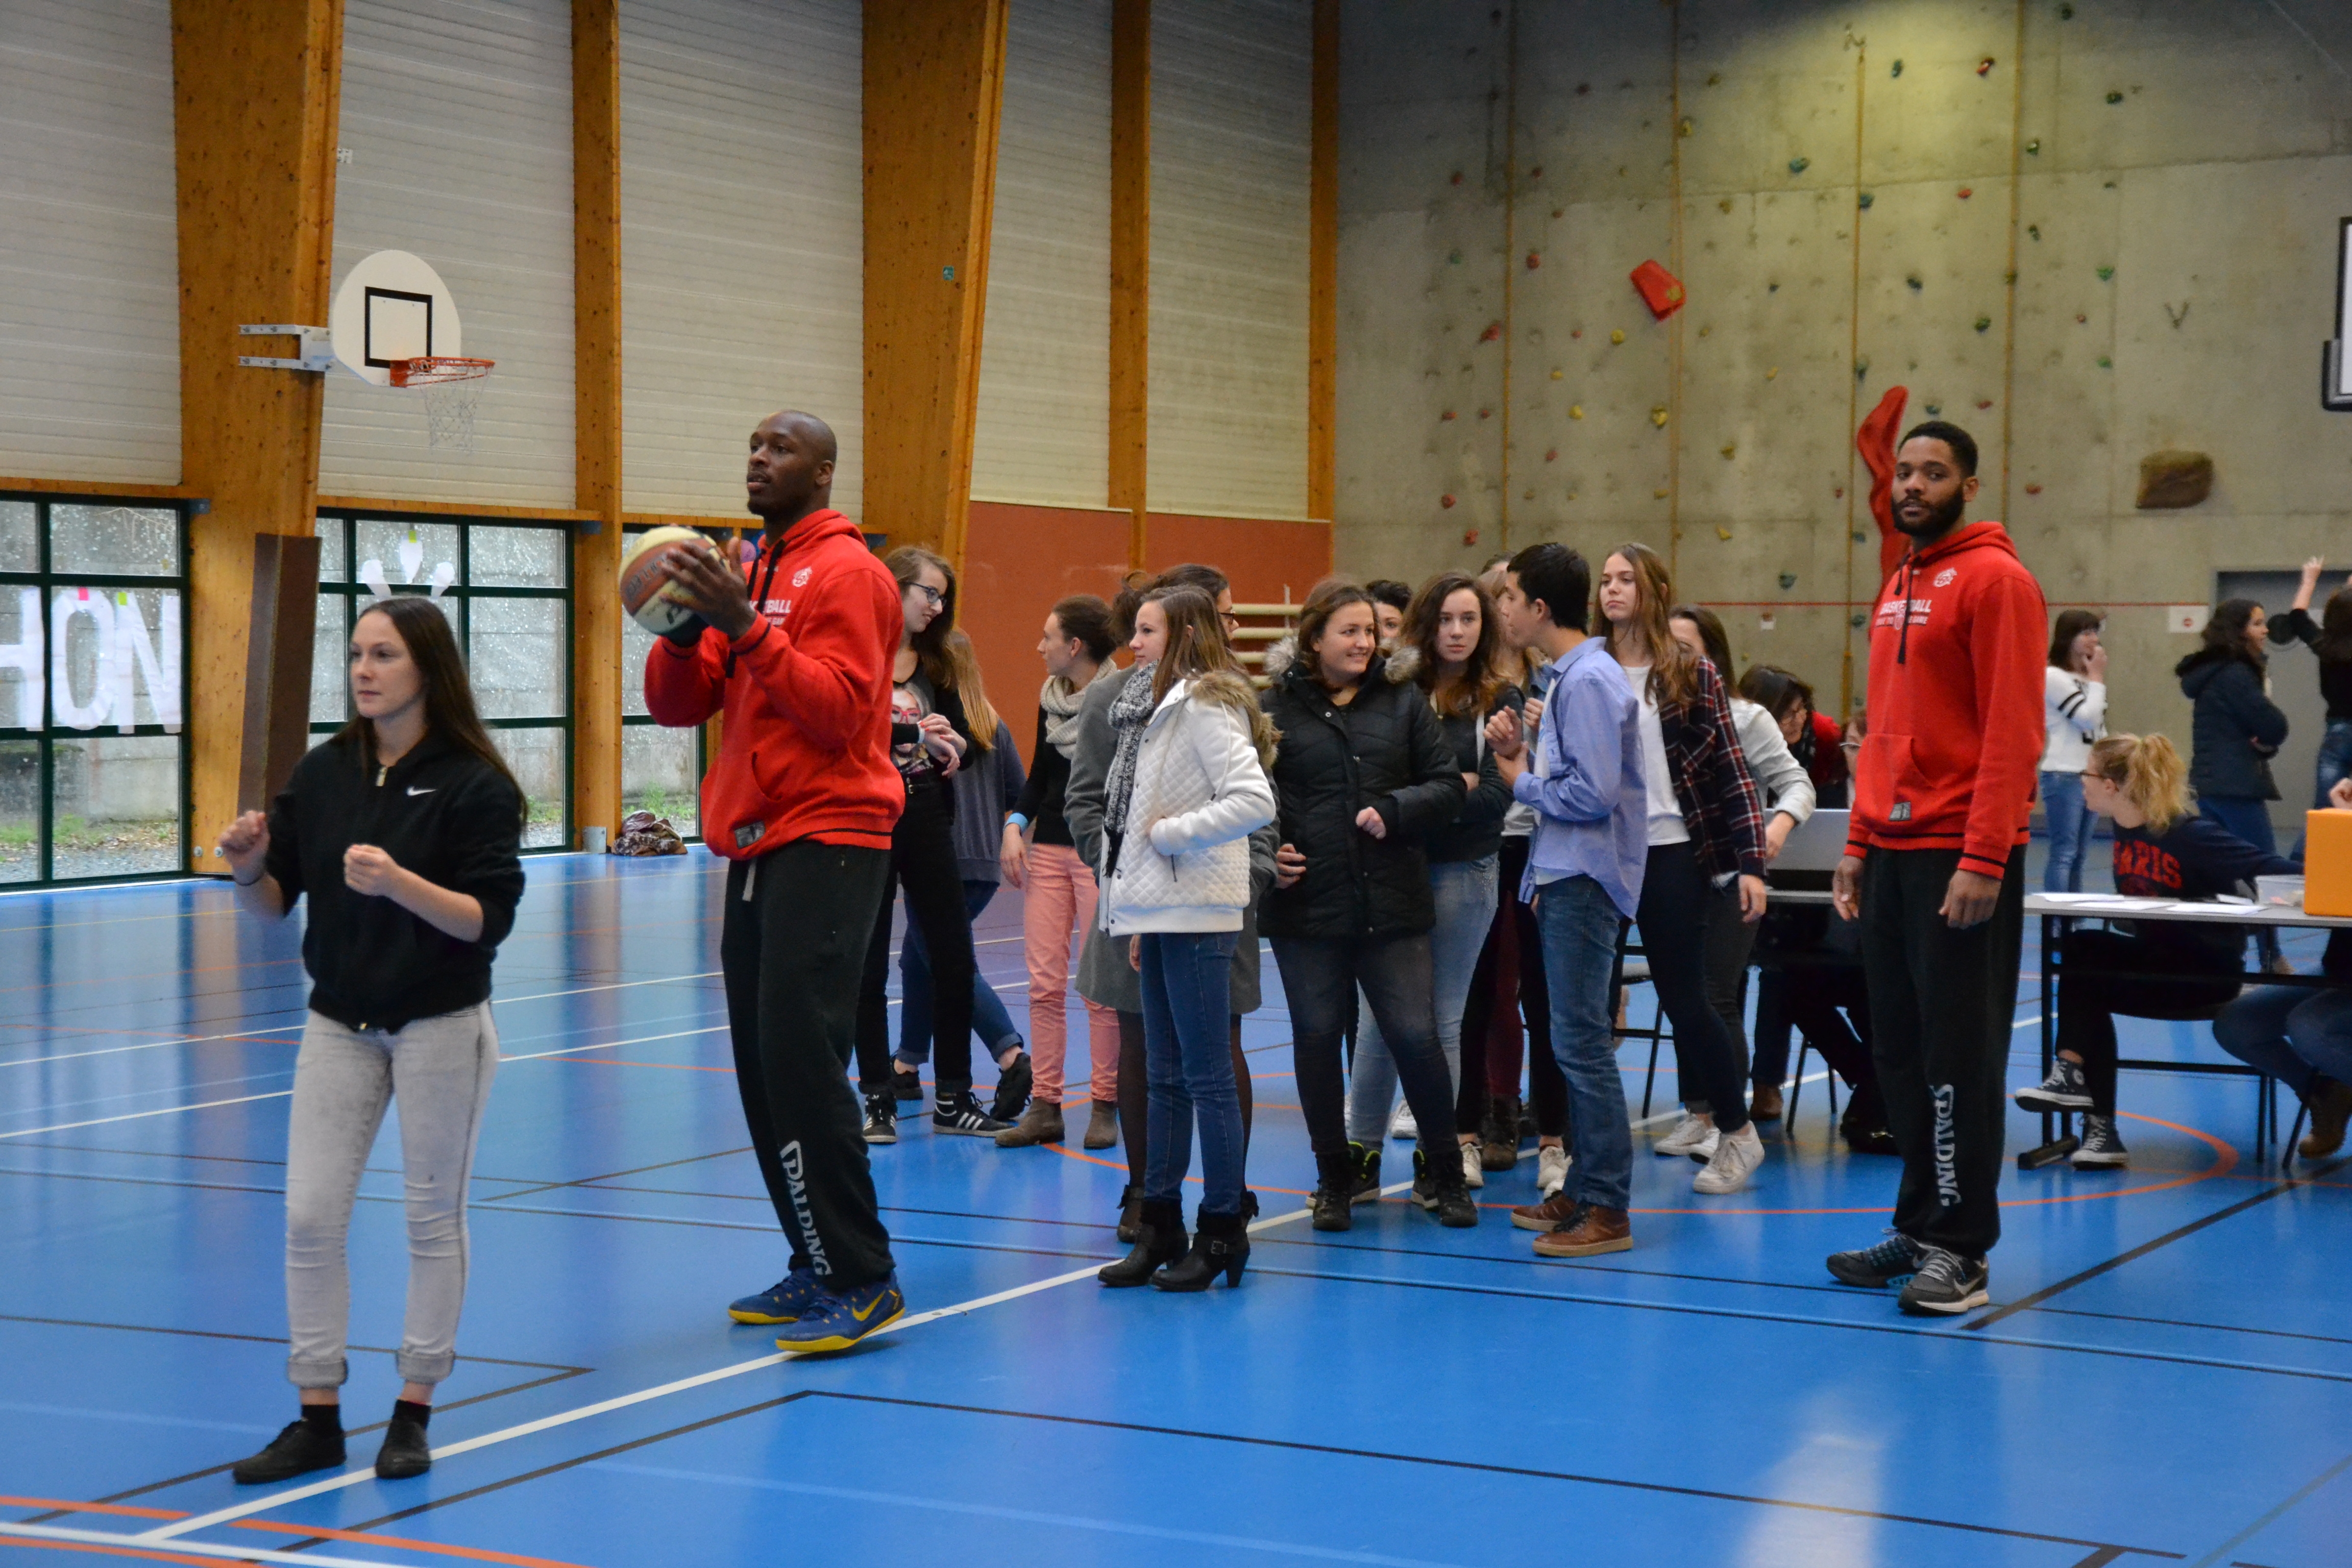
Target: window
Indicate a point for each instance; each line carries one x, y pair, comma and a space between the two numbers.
507, 590
93, 650
661, 769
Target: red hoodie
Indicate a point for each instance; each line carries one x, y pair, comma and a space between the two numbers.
805, 749
1955, 654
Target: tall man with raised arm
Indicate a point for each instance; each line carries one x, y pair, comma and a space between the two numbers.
1935, 866
801, 801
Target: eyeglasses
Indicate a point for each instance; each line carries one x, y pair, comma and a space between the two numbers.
1232, 622
929, 592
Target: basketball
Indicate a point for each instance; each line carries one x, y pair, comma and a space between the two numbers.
646, 592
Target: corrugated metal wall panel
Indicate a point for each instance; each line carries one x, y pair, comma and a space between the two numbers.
458, 114
742, 236
1231, 117
1044, 431
90, 260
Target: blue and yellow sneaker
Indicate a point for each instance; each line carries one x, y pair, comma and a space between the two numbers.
838, 1320
783, 1303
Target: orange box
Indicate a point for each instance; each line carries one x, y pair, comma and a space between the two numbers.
2328, 863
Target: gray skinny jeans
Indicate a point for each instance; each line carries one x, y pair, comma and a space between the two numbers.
440, 1068
1465, 892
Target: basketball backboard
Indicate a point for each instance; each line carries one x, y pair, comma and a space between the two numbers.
392, 306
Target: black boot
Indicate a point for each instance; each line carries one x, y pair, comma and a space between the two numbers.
1162, 1241
1437, 1186
1335, 1182
1221, 1246
1130, 1212
1863, 1125
406, 1450
313, 1443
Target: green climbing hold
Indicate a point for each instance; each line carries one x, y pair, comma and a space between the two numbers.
1454, 257
1934, 409
2034, 148
1865, 200
1855, 621
2034, 230
2065, 13
1913, 283
1984, 323
1798, 165
2106, 364
1898, 70
2114, 98
1860, 537
1788, 579
2105, 273
1862, 367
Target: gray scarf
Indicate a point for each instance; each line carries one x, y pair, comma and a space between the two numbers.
1059, 700
1129, 712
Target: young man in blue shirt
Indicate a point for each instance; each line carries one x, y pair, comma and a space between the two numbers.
1582, 776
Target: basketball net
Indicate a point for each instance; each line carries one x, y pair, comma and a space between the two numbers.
452, 389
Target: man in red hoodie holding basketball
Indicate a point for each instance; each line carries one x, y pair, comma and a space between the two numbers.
1933, 866
801, 800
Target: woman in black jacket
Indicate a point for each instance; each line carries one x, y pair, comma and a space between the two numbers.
2237, 729
402, 829
1363, 774
2330, 637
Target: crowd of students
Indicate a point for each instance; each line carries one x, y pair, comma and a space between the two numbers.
1447, 813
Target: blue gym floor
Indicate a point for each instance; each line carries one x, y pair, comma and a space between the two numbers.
2167, 1377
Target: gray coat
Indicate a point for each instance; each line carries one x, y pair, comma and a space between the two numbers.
1105, 976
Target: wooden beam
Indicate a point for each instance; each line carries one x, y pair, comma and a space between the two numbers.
387, 507
1130, 266
96, 487
256, 88
278, 648
1323, 269
934, 86
596, 359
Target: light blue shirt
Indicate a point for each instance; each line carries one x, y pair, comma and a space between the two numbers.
1591, 802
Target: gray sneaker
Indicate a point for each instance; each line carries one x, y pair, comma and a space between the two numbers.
2063, 1090
1947, 1285
1891, 1262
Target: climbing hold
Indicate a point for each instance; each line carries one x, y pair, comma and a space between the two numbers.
1714, 78
1864, 201
1788, 581
2114, 98
1703, 331
2033, 490
2105, 273
1486, 413
1659, 290
1446, 501
1469, 536
2065, 13
1723, 533
1773, 374
1913, 283
1457, 178
1855, 621
1528, 494
1798, 165
1934, 409
1684, 129
1984, 323
1730, 449
2171, 479
1858, 537
1493, 333
1535, 259
1965, 192
1447, 414
1552, 456
2106, 364
1658, 415
1536, 172
1576, 411
1862, 367
1556, 374
2081, 319
1582, 87
1983, 403
1454, 257
1839, 494
1984, 66
1725, 204
1772, 287
1618, 336
1660, 494
1898, 70
2034, 148
1576, 332
2034, 231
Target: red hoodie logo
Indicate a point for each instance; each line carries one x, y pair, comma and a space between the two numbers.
1944, 578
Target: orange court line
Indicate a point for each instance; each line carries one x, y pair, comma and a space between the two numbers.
110, 1551
443, 1549
125, 1509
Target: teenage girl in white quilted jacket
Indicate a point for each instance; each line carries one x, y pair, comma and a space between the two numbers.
1187, 786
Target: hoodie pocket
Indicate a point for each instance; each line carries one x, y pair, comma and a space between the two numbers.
1887, 771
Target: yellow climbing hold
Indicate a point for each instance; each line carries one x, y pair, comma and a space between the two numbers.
1658, 416
1730, 449
1556, 375
1661, 495
1773, 374
1576, 411
1618, 336
1724, 534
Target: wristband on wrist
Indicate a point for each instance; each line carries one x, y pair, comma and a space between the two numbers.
1015, 821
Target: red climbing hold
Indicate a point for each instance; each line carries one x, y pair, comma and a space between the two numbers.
1486, 413
1457, 177
2033, 490
1469, 536
1447, 414
1966, 193
1984, 66
1493, 333
1659, 290
1534, 260
1552, 456
1446, 501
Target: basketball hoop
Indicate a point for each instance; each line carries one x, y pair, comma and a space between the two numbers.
452, 387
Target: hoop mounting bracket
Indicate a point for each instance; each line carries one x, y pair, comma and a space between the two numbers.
318, 350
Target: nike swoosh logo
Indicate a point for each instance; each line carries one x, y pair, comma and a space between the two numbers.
862, 1313
413, 790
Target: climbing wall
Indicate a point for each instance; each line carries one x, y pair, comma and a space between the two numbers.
2086, 230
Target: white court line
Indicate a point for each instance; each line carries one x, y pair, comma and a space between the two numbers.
142, 1115
564, 1418
151, 1045
193, 1548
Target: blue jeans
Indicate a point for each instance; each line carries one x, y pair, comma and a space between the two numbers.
1579, 926
990, 1021
1189, 1064
2251, 820
2290, 1033
2070, 832
2335, 760
1465, 891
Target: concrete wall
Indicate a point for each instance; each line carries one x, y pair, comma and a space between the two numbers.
1503, 168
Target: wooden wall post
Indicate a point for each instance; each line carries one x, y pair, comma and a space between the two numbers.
596, 359
1323, 269
256, 88
934, 81
1131, 266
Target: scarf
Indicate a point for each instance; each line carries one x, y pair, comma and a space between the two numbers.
1129, 714
1059, 702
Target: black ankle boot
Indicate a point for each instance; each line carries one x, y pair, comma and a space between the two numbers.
1335, 1184
1130, 1212
406, 1450
304, 1445
1162, 1241
1220, 1247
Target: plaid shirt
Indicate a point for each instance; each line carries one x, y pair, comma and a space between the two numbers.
1718, 797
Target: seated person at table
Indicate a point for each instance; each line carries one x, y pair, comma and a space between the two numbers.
2151, 968
2303, 1037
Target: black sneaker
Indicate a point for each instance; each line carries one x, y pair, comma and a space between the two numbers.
1446, 1198
1012, 1089
906, 1084
961, 1112
2063, 1090
1364, 1186
296, 1451
2101, 1149
1891, 1262
1946, 1284
881, 1118
407, 1451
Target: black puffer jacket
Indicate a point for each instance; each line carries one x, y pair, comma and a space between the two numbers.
2237, 728
1384, 750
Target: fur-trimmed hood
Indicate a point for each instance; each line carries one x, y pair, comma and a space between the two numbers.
1401, 663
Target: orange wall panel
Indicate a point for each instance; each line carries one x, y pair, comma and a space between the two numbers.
1263, 557
1019, 560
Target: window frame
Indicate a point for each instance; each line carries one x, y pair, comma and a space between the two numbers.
349, 589
724, 535
44, 577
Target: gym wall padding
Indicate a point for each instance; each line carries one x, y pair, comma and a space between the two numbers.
90, 303
457, 119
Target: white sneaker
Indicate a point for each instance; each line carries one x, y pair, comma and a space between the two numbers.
1474, 1169
1403, 1127
1551, 1169
1691, 1135
1734, 1160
